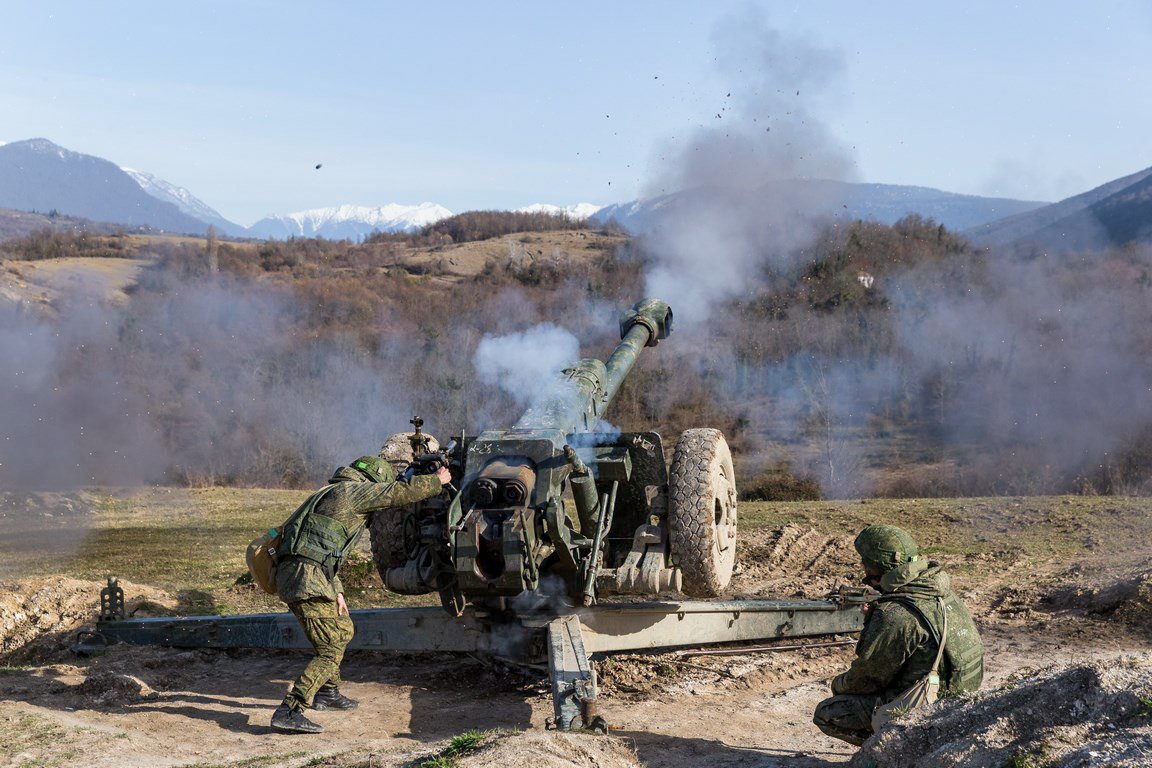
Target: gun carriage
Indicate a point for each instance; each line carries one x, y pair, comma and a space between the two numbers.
562, 504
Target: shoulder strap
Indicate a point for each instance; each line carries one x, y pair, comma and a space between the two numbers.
940, 639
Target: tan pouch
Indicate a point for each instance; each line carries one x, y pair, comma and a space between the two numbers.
925, 691
261, 557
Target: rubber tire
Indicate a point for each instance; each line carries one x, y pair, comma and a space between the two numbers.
386, 532
702, 511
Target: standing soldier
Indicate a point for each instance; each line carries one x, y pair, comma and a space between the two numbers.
898, 644
313, 544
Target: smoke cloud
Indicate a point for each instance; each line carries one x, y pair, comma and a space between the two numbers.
1050, 361
739, 181
212, 382
65, 418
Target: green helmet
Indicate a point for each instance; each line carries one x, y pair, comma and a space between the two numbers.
373, 469
886, 547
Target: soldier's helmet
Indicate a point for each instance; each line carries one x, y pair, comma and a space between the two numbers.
886, 547
397, 450
370, 468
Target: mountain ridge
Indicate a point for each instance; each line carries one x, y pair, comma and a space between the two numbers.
38, 175
349, 222
886, 203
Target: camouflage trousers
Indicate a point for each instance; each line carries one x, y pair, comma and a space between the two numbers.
847, 717
329, 635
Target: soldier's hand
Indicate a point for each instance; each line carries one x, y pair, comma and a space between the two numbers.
341, 606
444, 475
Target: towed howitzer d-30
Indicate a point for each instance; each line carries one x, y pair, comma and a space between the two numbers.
642, 528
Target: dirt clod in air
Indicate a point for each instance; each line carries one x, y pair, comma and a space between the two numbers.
1076, 715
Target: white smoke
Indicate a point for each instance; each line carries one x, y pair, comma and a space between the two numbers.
524, 362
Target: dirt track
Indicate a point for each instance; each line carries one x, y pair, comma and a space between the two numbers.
157, 707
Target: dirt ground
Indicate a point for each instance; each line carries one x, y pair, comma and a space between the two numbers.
1072, 626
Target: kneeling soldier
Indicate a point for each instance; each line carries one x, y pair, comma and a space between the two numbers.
898, 646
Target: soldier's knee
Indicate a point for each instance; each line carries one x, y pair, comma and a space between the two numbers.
843, 717
820, 714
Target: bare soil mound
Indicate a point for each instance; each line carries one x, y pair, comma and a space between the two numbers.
42, 506
1123, 599
1076, 715
114, 689
39, 617
1127, 598
550, 749
794, 561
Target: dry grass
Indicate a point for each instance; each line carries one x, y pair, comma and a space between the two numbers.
192, 542
1036, 529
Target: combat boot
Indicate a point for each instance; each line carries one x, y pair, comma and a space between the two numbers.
292, 720
329, 697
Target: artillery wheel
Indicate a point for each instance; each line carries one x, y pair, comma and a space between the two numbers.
386, 531
702, 511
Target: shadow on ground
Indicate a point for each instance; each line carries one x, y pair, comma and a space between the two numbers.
660, 751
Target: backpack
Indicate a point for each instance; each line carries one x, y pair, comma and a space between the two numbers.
926, 689
261, 557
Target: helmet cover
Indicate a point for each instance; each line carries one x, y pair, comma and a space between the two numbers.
886, 547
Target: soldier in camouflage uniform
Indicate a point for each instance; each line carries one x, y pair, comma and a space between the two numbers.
895, 649
313, 544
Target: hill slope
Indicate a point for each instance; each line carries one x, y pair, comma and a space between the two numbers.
185, 201
1112, 214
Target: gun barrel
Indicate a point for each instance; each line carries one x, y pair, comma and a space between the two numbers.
645, 325
619, 363
588, 386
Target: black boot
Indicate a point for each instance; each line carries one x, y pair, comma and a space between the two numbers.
292, 720
329, 697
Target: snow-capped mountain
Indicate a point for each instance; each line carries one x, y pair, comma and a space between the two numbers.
184, 200
350, 222
37, 175
577, 211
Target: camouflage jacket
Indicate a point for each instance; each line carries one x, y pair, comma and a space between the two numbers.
895, 649
350, 503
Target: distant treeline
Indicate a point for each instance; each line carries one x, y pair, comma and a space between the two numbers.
63, 243
887, 360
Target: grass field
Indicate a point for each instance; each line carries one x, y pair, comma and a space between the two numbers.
192, 541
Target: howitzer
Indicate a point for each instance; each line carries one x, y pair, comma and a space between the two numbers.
556, 505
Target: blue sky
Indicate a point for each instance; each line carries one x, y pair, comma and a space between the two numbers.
500, 104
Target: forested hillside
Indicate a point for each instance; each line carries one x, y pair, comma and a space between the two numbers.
877, 360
